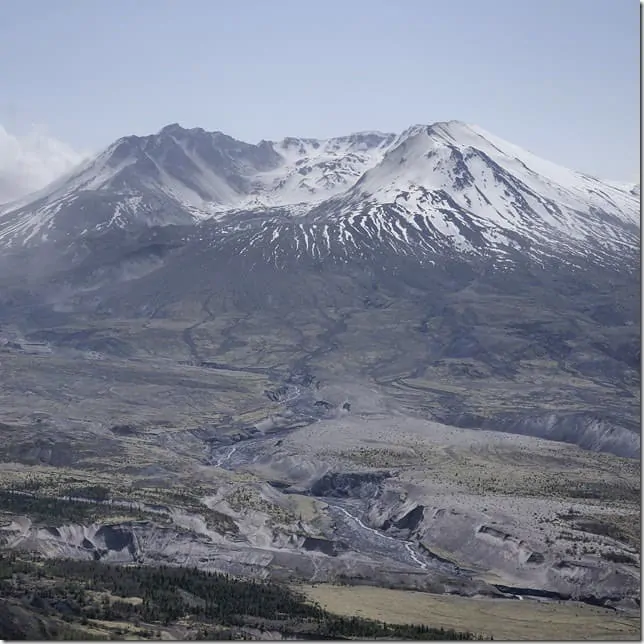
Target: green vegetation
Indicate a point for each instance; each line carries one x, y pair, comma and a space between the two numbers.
93, 507
603, 491
94, 492
55, 599
619, 557
612, 530
44, 509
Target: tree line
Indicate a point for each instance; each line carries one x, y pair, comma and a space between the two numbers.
79, 591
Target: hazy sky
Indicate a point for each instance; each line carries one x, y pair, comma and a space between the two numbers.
558, 77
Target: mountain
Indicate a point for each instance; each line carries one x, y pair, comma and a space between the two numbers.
180, 176
459, 187
376, 254
373, 334
445, 187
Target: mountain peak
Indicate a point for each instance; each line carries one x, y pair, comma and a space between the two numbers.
448, 132
436, 126
177, 128
171, 128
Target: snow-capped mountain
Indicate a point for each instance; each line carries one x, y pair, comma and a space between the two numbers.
446, 187
452, 185
180, 176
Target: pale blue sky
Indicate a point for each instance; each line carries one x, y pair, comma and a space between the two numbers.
558, 77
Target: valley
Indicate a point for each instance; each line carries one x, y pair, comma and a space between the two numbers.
241, 466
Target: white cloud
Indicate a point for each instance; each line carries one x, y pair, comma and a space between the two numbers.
30, 162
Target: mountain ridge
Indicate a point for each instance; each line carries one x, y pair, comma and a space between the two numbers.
444, 187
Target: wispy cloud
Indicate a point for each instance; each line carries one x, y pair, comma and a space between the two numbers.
31, 161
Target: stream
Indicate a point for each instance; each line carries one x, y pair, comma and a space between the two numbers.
349, 527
